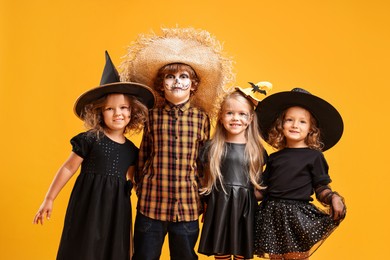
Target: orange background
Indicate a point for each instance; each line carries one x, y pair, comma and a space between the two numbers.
52, 51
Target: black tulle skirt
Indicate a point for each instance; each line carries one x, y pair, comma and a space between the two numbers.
289, 228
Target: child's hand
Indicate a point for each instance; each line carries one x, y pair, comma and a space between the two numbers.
258, 195
338, 208
45, 209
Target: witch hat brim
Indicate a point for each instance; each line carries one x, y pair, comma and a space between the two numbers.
110, 84
329, 119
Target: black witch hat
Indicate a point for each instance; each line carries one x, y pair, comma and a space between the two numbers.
109, 84
328, 118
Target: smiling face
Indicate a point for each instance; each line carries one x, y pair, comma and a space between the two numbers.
116, 112
235, 117
296, 127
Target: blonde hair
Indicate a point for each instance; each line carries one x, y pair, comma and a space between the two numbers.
92, 115
277, 139
254, 151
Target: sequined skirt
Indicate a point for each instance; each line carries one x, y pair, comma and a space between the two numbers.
292, 228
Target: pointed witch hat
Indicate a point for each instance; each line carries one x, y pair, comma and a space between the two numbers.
109, 84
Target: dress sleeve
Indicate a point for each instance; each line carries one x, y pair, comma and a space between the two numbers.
81, 145
320, 171
265, 156
135, 152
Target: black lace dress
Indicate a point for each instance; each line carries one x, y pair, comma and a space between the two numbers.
97, 221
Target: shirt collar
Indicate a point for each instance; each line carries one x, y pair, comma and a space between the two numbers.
183, 106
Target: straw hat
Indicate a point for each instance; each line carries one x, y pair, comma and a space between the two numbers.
110, 84
328, 118
196, 48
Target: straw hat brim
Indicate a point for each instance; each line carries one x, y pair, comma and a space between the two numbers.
329, 119
196, 48
141, 92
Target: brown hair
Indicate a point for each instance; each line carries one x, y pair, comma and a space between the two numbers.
173, 68
93, 115
277, 139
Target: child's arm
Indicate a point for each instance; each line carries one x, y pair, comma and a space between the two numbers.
259, 196
130, 178
143, 155
66, 171
338, 206
331, 198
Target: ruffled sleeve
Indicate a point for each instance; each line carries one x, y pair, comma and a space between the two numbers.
81, 144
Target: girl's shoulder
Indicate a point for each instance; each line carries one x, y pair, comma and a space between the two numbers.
83, 142
130, 144
307, 152
88, 136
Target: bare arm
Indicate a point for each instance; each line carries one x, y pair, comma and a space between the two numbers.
66, 171
130, 173
130, 178
259, 196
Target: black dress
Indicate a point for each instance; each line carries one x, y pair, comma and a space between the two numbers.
286, 221
229, 218
98, 217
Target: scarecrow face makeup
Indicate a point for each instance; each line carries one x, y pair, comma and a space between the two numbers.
177, 87
177, 81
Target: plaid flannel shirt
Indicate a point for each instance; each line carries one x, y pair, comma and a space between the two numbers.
167, 177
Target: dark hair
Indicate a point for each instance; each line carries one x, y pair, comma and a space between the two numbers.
173, 68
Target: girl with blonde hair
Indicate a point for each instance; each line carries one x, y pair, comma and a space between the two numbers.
231, 165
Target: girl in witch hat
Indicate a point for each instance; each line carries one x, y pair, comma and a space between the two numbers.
98, 219
300, 126
231, 163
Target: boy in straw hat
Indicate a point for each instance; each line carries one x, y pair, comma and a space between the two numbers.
188, 71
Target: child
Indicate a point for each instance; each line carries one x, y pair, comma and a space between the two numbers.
187, 70
299, 125
232, 161
98, 218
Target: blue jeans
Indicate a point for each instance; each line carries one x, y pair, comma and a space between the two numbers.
149, 235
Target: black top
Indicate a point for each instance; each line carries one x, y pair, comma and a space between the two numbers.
292, 173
